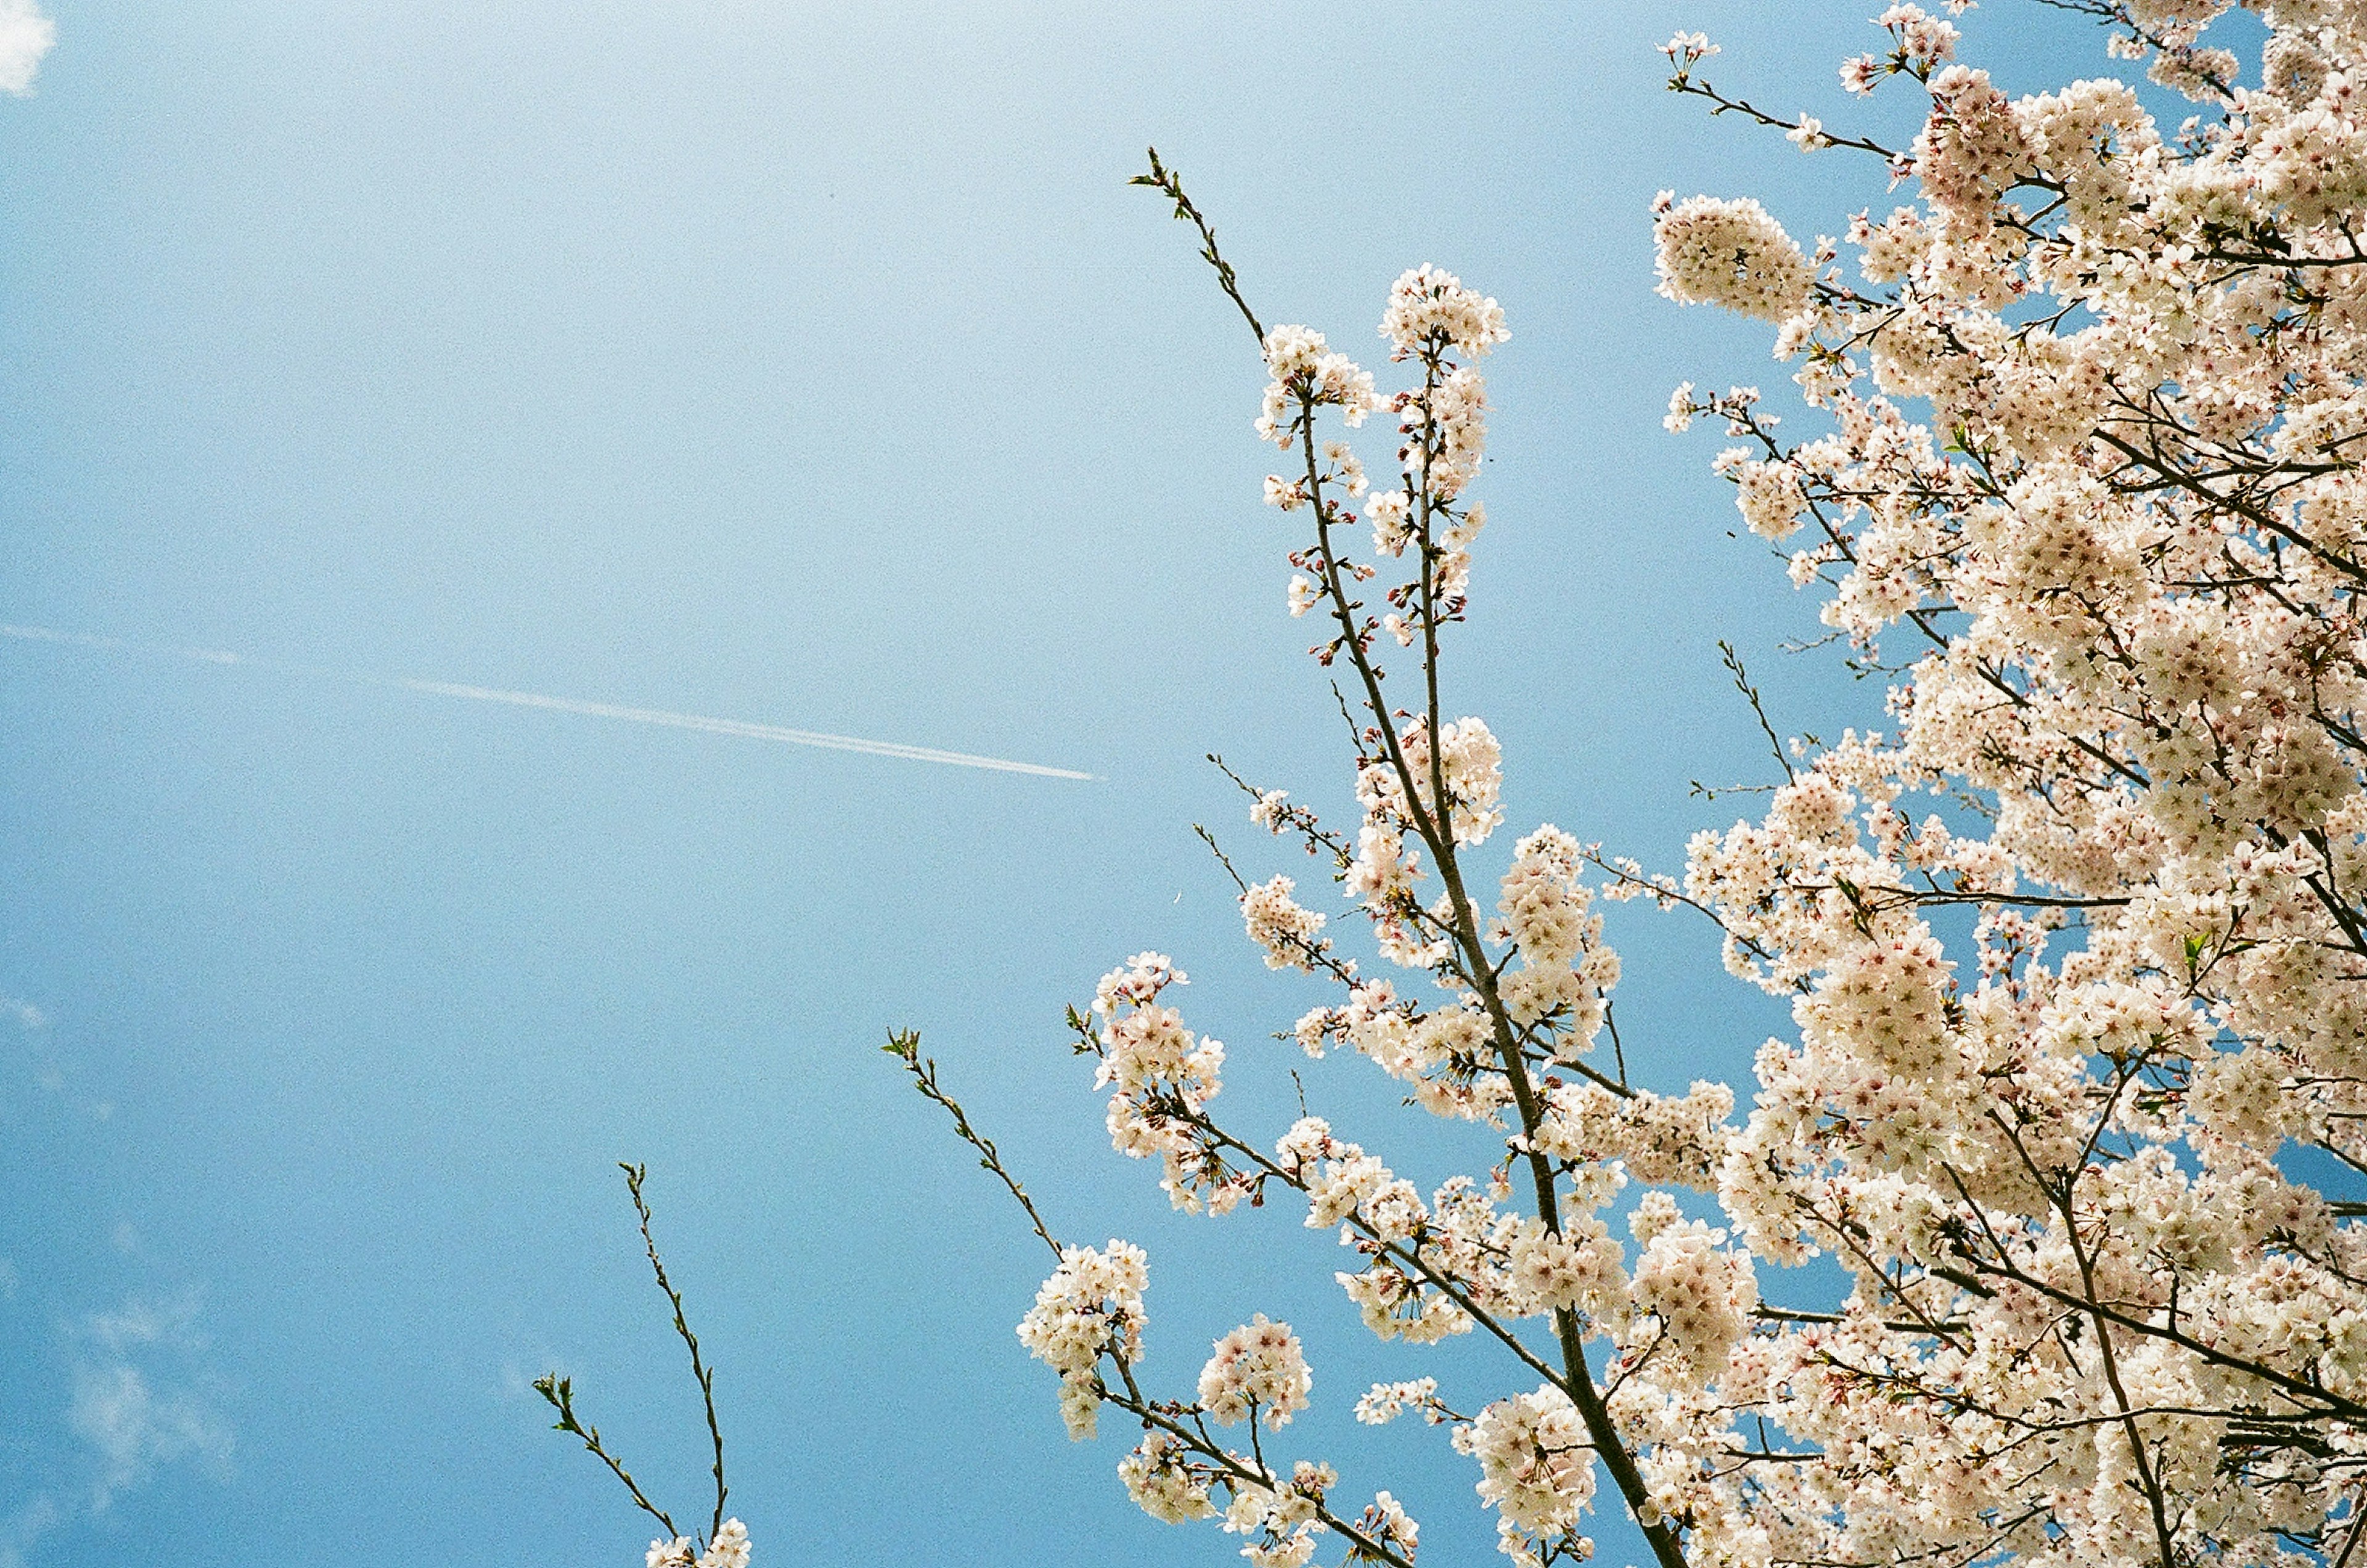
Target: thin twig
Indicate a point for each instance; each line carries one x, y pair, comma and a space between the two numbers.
904, 1044
634, 1176
1758, 709
1164, 180
561, 1394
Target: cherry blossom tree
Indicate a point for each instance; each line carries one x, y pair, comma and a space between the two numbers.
2075, 949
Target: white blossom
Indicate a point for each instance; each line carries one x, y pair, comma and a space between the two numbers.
1257, 1367
729, 1549
2074, 945
1730, 253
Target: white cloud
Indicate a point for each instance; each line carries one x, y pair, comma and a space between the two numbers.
129, 1417
128, 1413
23, 1528
25, 36
132, 1426
142, 1322
49, 1072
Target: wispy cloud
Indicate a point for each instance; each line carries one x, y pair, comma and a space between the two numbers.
129, 1417
131, 1427
132, 1410
26, 35
23, 1528
140, 1322
702, 723
130, 1382
39, 1053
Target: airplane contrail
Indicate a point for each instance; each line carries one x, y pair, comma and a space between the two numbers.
699, 722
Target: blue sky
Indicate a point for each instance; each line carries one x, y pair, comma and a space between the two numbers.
813, 367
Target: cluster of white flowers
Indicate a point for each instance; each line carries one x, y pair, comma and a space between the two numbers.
1305, 372
1388, 1525
1164, 1483
2130, 558
1924, 41
2076, 950
1770, 498
1731, 254
1288, 930
1162, 1075
1469, 763
728, 1549
1564, 971
1675, 1141
1391, 514
1696, 1296
1343, 1183
1283, 1521
1091, 1305
1384, 1402
1535, 1471
1575, 1268
1430, 310
1257, 1366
